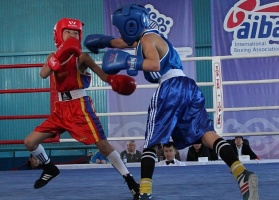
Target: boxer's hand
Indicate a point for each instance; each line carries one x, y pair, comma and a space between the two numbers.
94, 42
71, 47
116, 60
122, 84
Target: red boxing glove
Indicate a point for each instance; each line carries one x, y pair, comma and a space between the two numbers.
122, 84
70, 47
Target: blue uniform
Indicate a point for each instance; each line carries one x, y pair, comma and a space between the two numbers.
177, 108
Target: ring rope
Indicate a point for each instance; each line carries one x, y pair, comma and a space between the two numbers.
147, 86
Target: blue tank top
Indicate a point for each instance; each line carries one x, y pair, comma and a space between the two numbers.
170, 61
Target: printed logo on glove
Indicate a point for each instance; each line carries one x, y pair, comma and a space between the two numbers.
117, 60
53, 61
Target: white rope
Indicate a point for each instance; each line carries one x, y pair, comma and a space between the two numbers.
221, 57
249, 134
126, 138
228, 57
109, 138
121, 114
252, 108
251, 82
143, 86
211, 110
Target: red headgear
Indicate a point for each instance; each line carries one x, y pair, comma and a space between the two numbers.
66, 23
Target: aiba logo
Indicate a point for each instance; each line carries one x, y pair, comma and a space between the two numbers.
159, 21
255, 27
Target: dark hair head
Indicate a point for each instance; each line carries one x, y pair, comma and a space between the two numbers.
170, 144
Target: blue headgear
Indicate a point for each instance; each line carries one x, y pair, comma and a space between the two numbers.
130, 20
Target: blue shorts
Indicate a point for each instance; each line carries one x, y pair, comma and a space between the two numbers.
177, 110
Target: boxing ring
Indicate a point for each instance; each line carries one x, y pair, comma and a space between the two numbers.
190, 182
203, 182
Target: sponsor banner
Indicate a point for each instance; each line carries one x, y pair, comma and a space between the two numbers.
218, 93
240, 28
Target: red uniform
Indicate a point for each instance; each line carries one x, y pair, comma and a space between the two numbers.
74, 112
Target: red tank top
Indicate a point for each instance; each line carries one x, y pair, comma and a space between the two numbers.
69, 78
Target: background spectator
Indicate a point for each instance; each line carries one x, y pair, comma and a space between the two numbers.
243, 148
197, 150
169, 153
160, 153
98, 158
132, 154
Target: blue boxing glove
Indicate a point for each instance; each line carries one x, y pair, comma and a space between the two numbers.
116, 60
94, 42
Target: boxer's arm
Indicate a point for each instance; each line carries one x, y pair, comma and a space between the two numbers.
46, 71
120, 44
121, 84
154, 49
85, 61
95, 42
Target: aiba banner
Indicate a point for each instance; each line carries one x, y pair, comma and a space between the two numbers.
255, 27
249, 28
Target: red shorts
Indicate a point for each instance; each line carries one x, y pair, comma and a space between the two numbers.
76, 116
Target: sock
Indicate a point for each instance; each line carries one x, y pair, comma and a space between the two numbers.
224, 149
147, 169
237, 168
146, 186
115, 160
148, 163
41, 155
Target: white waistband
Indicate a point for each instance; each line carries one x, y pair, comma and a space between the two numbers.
170, 74
73, 94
